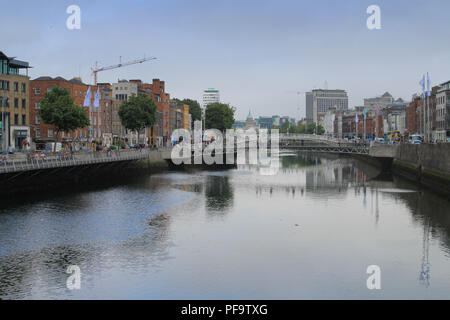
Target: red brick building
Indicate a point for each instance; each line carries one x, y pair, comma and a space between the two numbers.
42, 133
157, 91
415, 116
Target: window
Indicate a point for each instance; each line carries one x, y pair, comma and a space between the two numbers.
16, 86
24, 119
37, 132
16, 119
24, 103
16, 102
37, 105
76, 93
37, 91
7, 85
50, 133
24, 87
38, 119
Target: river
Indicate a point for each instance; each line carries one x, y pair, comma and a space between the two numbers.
308, 232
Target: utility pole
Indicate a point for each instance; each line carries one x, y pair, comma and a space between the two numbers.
3, 105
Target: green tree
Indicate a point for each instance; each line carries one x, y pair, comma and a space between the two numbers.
137, 113
312, 129
194, 108
219, 116
58, 109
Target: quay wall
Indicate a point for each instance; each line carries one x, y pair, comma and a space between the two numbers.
427, 164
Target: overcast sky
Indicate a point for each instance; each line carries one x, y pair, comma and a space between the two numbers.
257, 53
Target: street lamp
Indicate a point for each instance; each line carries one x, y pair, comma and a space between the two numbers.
3, 105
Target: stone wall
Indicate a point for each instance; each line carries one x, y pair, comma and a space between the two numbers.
425, 163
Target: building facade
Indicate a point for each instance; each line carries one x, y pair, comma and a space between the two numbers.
382, 101
159, 134
81, 138
320, 101
442, 115
14, 104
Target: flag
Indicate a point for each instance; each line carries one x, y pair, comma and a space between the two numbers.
97, 99
378, 109
356, 119
87, 98
365, 114
428, 85
422, 84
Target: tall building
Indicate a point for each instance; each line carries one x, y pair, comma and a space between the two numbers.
320, 101
14, 103
210, 95
309, 107
442, 132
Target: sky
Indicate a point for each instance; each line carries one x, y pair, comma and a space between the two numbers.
261, 55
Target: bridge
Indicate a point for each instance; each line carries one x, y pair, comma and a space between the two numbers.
56, 161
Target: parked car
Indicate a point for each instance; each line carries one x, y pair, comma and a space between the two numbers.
380, 140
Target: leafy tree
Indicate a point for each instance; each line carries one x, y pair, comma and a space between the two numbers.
219, 116
312, 129
194, 108
137, 113
58, 109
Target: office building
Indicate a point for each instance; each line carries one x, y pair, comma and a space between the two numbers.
14, 103
320, 101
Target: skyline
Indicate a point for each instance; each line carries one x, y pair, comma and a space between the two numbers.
257, 56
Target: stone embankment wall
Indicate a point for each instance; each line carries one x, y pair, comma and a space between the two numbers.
428, 164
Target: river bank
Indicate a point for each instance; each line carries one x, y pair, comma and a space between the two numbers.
426, 164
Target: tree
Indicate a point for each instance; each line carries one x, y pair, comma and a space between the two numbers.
194, 108
219, 116
137, 113
58, 109
312, 129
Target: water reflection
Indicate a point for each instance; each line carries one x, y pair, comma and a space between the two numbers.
218, 193
307, 232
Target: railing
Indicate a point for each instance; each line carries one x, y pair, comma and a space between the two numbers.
17, 165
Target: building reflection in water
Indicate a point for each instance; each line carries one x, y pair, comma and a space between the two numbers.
218, 194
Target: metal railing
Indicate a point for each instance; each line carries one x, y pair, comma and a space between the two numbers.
57, 161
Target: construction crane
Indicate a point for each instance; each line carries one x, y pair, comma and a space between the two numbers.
97, 69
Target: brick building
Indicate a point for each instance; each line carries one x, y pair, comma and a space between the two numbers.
42, 133
160, 133
415, 116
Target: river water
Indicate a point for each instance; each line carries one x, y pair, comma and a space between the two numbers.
308, 232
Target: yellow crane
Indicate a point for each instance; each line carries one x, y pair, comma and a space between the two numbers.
96, 69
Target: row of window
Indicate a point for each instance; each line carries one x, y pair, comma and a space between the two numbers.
16, 120
4, 85
5, 103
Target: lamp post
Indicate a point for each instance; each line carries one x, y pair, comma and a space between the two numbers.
3, 105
